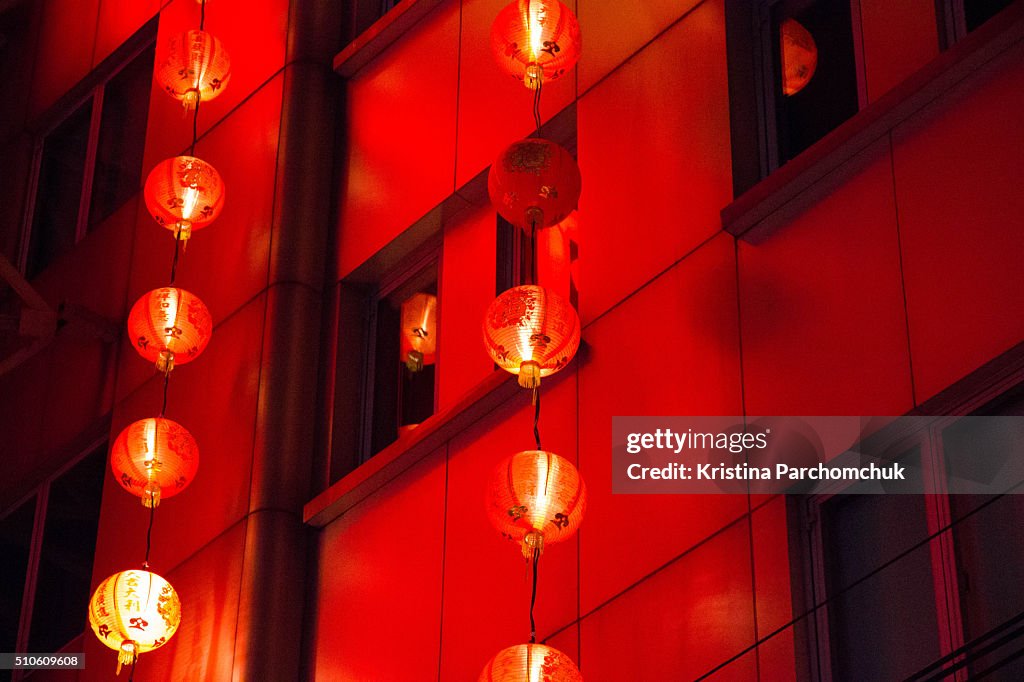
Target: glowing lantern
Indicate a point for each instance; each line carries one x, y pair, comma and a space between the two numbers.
530, 663
531, 332
154, 458
419, 331
536, 40
799, 56
534, 183
134, 612
536, 497
169, 326
197, 68
184, 194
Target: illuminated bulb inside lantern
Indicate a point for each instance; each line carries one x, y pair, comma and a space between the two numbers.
151, 493
536, 668
534, 73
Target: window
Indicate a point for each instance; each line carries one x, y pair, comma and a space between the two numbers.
918, 586
957, 18
90, 161
363, 13
793, 79
47, 545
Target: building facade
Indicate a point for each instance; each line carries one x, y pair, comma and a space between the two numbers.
736, 251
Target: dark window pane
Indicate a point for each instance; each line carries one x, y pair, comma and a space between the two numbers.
59, 190
884, 627
977, 12
830, 97
403, 393
15, 543
65, 563
122, 136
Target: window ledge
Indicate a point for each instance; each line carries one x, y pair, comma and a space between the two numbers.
764, 208
381, 35
401, 455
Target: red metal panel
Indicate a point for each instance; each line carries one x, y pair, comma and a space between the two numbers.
680, 623
771, 567
960, 221
824, 330
63, 51
899, 38
487, 582
467, 288
118, 20
612, 32
654, 153
494, 108
379, 601
400, 158
670, 349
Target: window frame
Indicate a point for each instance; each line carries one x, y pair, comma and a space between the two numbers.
41, 494
92, 88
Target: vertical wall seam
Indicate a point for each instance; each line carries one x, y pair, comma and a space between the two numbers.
903, 279
458, 97
444, 556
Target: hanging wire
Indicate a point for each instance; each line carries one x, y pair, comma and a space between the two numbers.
536, 415
174, 261
533, 596
167, 379
202, 15
149, 531
536, 105
131, 675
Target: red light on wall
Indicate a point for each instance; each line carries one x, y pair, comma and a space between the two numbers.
154, 458
531, 332
534, 182
169, 326
134, 612
197, 68
799, 56
536, 41
530, 663
184, 194
536, 498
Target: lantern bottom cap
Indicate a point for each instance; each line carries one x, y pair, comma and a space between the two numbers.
414, 361
533, 545
127, 654
151, 495
529, 374
165, 362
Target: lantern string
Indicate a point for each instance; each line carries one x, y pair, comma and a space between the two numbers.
174, 260
533, 596
536, 415
167, 379
202, 15
537, 105
149, 531
131, 674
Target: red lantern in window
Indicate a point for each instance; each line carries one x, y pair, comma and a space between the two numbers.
419, 331
184, 194
536, 41
134, 612
197, 68
531, 332
154, 458
799, 56
169, 326
536, 498
534, 183
530, 663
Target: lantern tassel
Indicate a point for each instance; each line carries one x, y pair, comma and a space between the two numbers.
126, 655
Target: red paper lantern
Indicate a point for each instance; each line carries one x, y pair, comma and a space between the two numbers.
169, 326
134, 612
531, 332
184, 194
419, 331
536, 41
154, 458
197, 68
534, 183
799, 56
530, 663
536, 498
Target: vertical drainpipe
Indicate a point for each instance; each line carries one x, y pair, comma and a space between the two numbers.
271, 623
